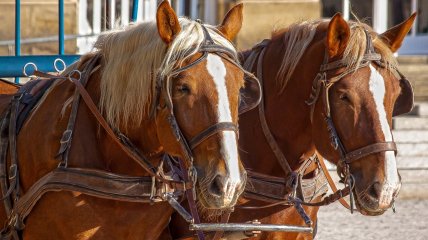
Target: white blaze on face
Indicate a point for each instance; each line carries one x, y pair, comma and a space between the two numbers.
392, 181
229, 148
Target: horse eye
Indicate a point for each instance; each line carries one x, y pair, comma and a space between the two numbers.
183, 89
344, 97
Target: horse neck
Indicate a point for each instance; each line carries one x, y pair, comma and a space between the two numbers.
106, 154
287, 115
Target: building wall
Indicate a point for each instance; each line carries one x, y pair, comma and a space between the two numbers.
263, 16
38, 19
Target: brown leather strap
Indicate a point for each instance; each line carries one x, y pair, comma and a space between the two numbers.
94, 110
331, 183
95, 183
191, 195
370, 149
341, 63
272, 189
224, 219
67, 136
4, 145
218, 127
338, 195
268, 135
266, 188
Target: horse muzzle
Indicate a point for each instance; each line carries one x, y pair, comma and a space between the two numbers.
377, 198
222, 191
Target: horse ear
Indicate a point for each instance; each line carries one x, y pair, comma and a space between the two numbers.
337, 35
395, 35
232, 22
167, 22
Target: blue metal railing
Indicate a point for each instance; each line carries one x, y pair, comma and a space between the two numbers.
17, 33
134, 10
12, 66
61, 27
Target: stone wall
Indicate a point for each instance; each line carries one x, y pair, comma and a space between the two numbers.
415, 68
38, 19
263, 16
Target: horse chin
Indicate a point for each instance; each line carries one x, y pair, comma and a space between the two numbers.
209, 202
212, 210
367, 206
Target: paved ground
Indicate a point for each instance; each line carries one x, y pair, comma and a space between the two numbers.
410, 222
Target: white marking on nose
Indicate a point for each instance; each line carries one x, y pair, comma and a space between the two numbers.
229, 148
377, 88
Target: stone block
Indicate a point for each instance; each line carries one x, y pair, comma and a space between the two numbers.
410, 123
411, 136
261, 17
412, 149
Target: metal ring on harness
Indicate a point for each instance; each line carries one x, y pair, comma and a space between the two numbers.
64, 66
73, 72
24, 70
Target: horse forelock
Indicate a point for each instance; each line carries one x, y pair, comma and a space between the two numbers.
357, 43
298, 36
133, 57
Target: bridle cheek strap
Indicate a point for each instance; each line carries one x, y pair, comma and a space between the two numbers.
210, 131
368, 150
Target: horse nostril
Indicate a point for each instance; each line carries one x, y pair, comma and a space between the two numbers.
375, 190
216, 187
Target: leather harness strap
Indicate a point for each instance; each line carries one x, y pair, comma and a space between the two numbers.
95, 183
332, 184
224, 219
267, 133
67, 135
218, 127
368, 150
95, 112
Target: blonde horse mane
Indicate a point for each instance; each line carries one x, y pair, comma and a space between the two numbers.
133, 57
298, 37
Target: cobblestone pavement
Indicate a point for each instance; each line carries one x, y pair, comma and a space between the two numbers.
410, 222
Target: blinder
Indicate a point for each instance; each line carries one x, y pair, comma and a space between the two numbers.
404, 102
250, 94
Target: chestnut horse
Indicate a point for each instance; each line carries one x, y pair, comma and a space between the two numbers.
7, 87
361, 100
205, 92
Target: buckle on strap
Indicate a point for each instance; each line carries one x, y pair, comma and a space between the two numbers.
66, 136
13, 171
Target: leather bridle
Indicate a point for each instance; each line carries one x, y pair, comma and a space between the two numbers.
207, 46
323, 84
